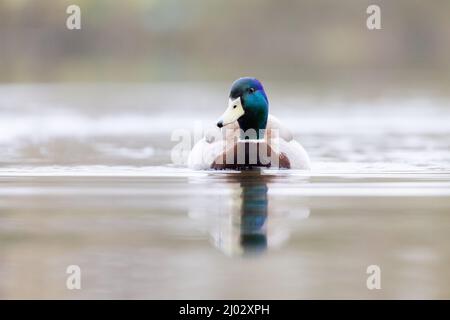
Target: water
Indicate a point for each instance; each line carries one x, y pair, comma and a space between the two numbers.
86, 179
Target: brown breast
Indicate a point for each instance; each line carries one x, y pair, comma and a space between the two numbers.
248, 154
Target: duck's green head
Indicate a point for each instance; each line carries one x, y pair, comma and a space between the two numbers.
248, 104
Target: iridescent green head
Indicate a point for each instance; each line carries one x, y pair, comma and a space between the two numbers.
248, 104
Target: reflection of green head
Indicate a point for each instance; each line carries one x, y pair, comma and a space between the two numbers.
254, 243
254, 216
254, 199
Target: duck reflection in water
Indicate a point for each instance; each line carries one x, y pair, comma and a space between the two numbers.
244, 222
253, 215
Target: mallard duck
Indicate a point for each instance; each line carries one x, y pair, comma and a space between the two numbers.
251, 137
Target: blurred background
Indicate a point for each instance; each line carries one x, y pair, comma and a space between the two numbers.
319, 43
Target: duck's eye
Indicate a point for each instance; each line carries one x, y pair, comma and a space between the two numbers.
235, 106
251, 90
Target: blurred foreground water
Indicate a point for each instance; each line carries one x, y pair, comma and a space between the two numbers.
86, 179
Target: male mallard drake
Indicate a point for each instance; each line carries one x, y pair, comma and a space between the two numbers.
251, 137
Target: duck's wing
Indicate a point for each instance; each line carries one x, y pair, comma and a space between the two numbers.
273, 123
212, 146
296, 154
204, 153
